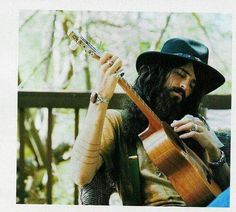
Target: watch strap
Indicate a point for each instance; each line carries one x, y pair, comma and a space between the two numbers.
96, 98
220, 162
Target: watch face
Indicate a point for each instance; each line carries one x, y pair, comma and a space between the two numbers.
93, 97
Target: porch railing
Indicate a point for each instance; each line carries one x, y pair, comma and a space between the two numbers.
76, 101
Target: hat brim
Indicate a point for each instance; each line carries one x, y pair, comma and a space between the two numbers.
208, 78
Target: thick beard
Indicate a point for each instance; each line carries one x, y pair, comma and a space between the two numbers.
164, 106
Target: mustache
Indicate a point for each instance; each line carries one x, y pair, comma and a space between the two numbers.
178, 90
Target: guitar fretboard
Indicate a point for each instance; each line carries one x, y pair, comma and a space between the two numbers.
145, 109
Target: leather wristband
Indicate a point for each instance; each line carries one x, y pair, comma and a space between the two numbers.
95, 98
218, 163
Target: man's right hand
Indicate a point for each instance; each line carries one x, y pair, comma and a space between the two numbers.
107, 76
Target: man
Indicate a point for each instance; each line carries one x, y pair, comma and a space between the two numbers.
172, 83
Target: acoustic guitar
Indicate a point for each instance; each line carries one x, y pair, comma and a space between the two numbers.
188, 174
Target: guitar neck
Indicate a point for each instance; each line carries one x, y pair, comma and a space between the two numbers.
145, 109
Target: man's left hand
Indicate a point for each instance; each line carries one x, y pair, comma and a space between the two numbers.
193, 127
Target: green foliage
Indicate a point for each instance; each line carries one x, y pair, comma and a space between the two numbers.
144, 46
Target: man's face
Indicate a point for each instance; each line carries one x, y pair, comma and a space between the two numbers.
181, 82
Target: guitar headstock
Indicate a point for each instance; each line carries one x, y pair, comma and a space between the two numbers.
78, 40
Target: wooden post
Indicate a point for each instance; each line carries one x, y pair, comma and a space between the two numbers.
21, 157
49, 157
76, 190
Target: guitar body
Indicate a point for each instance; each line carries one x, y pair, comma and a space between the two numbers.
186, 171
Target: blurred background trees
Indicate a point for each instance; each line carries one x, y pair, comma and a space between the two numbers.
46, 63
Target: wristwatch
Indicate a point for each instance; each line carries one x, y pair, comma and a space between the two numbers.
95, 98
218, 163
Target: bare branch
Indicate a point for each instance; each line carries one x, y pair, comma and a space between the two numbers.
27, 20
199, 22
103, 22
163, 31
48, 55
51, 44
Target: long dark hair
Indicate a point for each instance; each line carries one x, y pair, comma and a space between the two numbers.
148, 84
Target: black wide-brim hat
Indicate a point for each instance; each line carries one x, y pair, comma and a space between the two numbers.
208, 78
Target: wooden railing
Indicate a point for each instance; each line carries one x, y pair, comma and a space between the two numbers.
76, 101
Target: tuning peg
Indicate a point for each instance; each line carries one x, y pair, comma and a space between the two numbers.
73, 45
